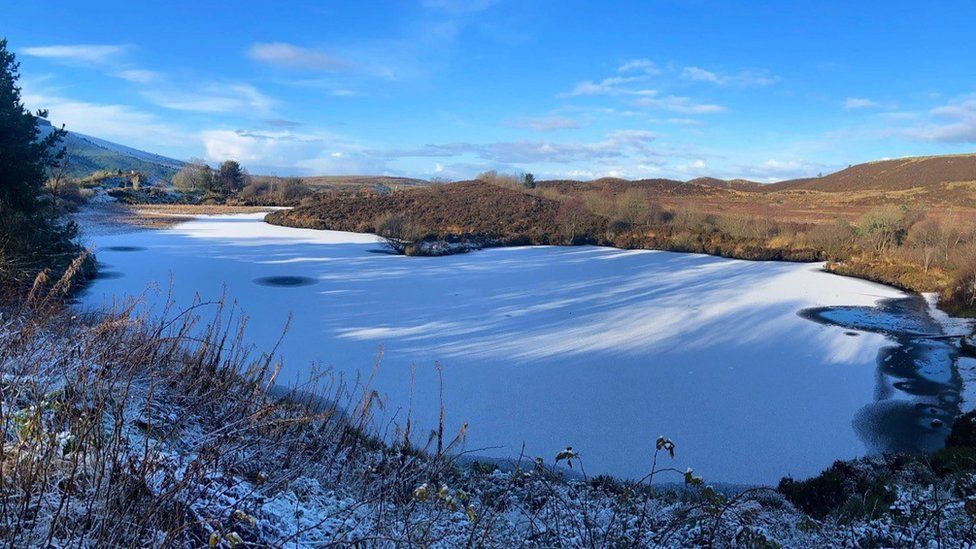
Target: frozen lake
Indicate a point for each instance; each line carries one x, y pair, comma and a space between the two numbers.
596, 348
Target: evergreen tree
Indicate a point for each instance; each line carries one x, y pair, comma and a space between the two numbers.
24, 156
32, 239
230, 176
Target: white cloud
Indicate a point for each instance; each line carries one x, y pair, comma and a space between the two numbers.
616, 144
640, 65
291, 56
248, 147
695, 168
79, 53
695, 73
287, 151
633, 139
113, 122
777, 170
679, 104
213, 98
608, 86
741, 78
544, 123
855, 103
954, 122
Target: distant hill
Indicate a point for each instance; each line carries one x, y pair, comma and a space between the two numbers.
616, 185
354, 180
87, 155
889, 175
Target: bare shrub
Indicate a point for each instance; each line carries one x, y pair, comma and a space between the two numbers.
924, 238
571, 219
834, 239
885, 227
962, 291
396, 230
690, 219
509, 181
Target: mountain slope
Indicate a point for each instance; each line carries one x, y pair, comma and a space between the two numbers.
889, 175
88, 154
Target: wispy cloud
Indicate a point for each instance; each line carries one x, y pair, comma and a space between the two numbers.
742, 78
117, 122
685, 121
777, 170
679, 104
631, 87
645, 66
544, 123
617, 144
139, 76
613, 85
856, 103
285, 55
213, 98
79, 53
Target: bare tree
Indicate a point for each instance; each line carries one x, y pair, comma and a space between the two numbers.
195, 175
395, 230
60, 185
925, 237
570, 218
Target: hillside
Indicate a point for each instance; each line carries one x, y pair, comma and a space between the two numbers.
890, 175
87, 155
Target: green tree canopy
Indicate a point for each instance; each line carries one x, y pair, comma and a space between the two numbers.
230, 176
24, 155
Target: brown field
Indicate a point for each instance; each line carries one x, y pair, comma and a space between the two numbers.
941, 200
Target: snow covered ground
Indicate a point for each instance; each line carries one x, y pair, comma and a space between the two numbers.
596, 348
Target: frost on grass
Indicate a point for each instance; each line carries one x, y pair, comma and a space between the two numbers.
123, 431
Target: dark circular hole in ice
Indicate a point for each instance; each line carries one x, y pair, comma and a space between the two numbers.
285, 281
123, 248
108, 275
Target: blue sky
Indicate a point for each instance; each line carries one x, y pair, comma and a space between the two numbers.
444, 88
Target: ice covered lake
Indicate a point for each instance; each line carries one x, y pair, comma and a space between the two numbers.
596, 348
